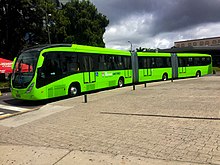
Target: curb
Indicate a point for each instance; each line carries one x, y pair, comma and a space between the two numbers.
3, 90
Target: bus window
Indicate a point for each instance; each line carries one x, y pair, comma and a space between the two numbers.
111, 63
108, 62
159, 62
127, 62
69, 63
102, 63
141, 62
148, 63
144, 62
119, 63
208, 60
197, 61
190, 61
153, 62
95, 60
85, 63
182, 62
167, 62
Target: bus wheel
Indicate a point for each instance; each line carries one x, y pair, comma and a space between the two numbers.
165, 77
73, 90
120, 82
198, 74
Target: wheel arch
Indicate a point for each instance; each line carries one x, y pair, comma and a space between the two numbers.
198, 73
121, 78
165, 74
76, 84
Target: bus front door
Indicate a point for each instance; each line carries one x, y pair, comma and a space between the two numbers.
89, 77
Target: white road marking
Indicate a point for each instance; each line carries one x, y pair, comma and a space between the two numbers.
1, 113
13, 108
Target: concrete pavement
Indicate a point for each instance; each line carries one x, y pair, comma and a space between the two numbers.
165, 123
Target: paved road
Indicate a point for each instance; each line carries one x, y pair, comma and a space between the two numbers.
173, 123
10, 106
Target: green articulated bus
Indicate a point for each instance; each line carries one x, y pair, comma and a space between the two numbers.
65, 69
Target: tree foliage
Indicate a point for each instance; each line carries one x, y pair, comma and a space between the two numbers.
26, 23
87, 26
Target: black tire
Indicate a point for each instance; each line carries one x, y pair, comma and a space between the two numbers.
165, 77
120, 82
198, 74
74, 90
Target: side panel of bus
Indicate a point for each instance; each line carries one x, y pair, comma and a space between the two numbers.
154, 66
85, 70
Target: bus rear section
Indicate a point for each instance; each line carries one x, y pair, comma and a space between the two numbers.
154, 66
193, 64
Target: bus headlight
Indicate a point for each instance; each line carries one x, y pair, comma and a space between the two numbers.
30, 88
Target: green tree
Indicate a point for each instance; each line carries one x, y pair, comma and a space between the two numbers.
11, 28
26, 23
87, 25
45, 22
21, 21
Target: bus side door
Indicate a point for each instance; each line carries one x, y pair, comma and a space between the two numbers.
127, 67
182, 62
148, 70
128, 73
89, 76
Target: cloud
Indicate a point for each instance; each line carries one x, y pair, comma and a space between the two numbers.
158, 23
184, 14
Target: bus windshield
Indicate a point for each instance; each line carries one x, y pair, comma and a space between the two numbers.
24, 69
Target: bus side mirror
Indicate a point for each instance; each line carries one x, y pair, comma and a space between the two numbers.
40, 62
13, 63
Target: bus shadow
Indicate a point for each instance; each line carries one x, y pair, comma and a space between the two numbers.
29, 103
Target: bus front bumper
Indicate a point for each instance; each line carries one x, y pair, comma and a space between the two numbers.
22, 94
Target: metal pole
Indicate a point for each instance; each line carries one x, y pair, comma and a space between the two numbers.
133, 74
145, 85
85, 98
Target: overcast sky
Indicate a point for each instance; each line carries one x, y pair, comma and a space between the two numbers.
158, 23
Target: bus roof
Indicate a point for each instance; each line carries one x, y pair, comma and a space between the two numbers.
153, 54
78, 48
42, 47
91, 49
169, 54
192, 55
